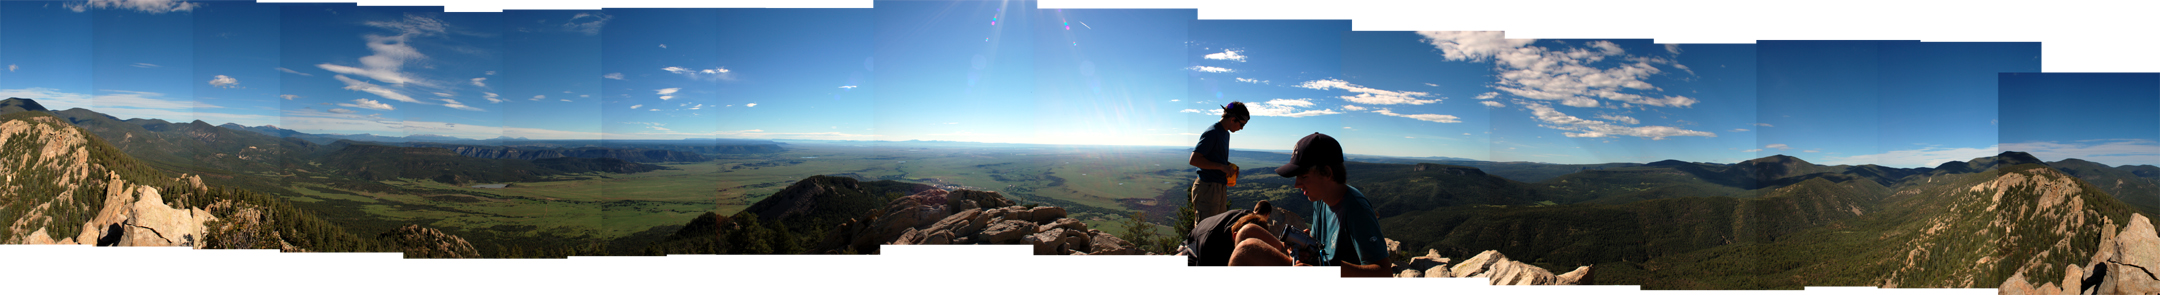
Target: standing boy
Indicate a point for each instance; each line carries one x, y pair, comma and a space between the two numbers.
1212, 156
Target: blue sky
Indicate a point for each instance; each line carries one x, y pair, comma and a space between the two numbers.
1894, 103
1006, 72
2110, 118
1266, 64
391, 71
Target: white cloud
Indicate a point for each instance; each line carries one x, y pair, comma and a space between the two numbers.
1293, 108
222, 81
452, 103
341, 111
539, 97
636, 106
481, 81
378, 90
291, 71
1493, 104
663, 46
1488, 95
368, 104
445, 94
288, 96
1571, 75
1778, 146
11, 68
1621, 119
1352, 107
616, 76
144, 65
1739, 130
1550, 118
1231, 55
712, 74
1764, 124
750, 105
2104, 151
492, 97
1366, 95
154, 7
1421, 117
1432, 85
1813, 151
391, 52
565, 100
1922, 157
848, 87
667, 91
1209, 69
1751, 150
1254, 81
588, 23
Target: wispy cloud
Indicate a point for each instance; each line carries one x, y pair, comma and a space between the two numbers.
481, 81
1367, 95
291, 71
144, 65
588, 23
636, 106
1352, 107
667, 93
2105, 151
1208, 69
492, 97
1230, 55
1621, 119
540, 97
1764, 125
391, 52
712, 74
452, 103
222, 81
378, 90
1550, 118
1493, 104
368, 104
616, 76
288, 96
1421, 117
1254, 81
1574, 76
750, 105
1778, 146
341, 111
145, 6
1739, 130
11, 68
849, 87
1294, 108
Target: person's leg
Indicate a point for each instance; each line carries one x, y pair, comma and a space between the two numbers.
1209, 198
1257, 232
1257, 252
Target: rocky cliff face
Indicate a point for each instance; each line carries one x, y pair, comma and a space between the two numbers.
2125, 264
421, 242
936, 217
59, 192
1489, 264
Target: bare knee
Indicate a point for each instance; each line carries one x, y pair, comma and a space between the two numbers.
1259, 253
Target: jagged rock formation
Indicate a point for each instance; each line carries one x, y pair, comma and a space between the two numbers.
421, 242
54, 181
1489, 264
936, 216
2125, 264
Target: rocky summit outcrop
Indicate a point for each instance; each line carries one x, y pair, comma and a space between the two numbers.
1489, 264
937, 217
2128, 262
67, 192
421, 242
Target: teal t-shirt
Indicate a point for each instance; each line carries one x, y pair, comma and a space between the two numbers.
1350, 232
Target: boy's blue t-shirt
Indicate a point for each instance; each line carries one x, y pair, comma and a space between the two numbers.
1215, 147
1351, 232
